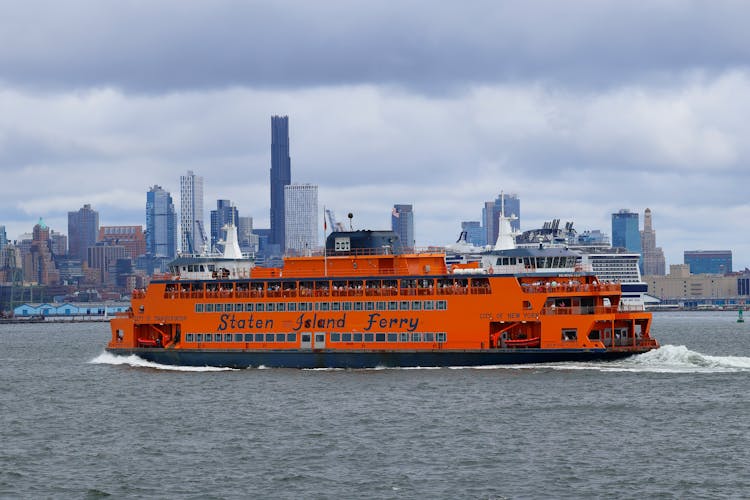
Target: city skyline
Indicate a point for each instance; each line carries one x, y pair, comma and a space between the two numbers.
580, 118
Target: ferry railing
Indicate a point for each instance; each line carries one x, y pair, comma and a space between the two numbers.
565, 288
578, 310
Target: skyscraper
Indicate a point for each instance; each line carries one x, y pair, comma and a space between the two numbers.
192, 228
301, 217
475, 233
651, 255
625, 233
161, 224
3, 237
491, 214
402, 223
83, 228
225, 213
281, 176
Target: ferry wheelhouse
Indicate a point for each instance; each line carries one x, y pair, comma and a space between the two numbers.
364, 303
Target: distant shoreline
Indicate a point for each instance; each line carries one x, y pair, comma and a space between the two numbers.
55, 319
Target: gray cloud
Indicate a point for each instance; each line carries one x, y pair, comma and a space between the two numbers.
157, 47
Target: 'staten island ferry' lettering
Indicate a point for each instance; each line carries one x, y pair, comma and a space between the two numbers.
364, 303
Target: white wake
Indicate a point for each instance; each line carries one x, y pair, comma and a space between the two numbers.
107, 358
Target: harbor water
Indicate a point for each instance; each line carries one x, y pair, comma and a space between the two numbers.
76, 422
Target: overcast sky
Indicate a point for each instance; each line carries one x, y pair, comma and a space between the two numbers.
581, 108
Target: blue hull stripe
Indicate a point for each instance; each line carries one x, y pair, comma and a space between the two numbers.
364, 359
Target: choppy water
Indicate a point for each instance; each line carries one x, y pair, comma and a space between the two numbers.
673, 423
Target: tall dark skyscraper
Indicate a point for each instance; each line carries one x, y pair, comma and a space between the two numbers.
281, 175
83, 228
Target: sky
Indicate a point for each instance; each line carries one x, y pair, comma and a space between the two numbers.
582, 108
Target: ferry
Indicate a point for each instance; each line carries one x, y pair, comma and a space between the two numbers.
364, 302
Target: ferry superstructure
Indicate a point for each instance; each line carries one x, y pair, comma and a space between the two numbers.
360, 305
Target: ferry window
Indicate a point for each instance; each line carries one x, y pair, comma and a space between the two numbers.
259, 337
227, 337
199, 308
239, 307
281, 337
249, 307
217, 307
380, 306
428, 337
208, 337
441, 337
429, 305
393, 305
569, 334
248, 337
499, 261
189, 337
291, 307
259, 307
228, 308
358, 306
335, 337
390, 285
238, 337
335, 306
372, 284
416, 337
416, 305
305, 337
291, 337
369, 306
441, 305
199, 337
324, 306
404, 337
357, 337
380, 337
393, 337
212, 267
346, 306
346, 337
320, 338
270, 307
526, 304
404, 306
280, 306
369, 337
269, 337
303, 306
594, 335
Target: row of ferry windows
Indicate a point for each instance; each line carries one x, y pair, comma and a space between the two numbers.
393, 305
332, 337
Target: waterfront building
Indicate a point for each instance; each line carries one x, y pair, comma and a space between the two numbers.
402, 223
102, 260
38, 264
130, 237
225, 213
475, 234
161, 223
625, 233
281, 176
192, 228
83, 228
708, 261
301, 217
681, 285
652, 256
